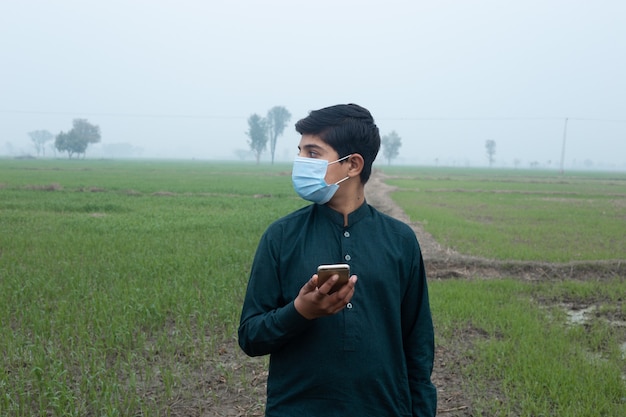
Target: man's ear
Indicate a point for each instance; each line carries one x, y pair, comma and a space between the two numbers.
356, 164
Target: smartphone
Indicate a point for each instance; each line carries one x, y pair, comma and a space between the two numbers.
324, 272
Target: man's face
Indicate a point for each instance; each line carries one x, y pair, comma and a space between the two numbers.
312, 146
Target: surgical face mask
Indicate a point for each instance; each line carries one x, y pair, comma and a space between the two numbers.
308, 178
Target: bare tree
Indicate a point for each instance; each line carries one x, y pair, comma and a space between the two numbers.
39, 138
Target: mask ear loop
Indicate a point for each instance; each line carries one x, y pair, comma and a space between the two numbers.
339, 160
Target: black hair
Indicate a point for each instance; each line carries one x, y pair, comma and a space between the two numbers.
348, 129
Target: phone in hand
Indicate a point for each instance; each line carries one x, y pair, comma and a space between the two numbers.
324, 272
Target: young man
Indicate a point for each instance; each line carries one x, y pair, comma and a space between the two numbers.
366, 349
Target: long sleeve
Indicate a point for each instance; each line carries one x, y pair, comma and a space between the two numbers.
418, 339
264, 327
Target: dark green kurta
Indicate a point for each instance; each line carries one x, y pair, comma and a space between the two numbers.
375, 357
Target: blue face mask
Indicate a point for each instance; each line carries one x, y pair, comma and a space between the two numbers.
308, 178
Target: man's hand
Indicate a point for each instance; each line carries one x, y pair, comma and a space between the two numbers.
313, 302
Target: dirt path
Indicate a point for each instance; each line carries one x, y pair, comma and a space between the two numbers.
377, 195
453, 399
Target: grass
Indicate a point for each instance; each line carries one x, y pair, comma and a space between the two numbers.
121, 285
524, 359
104, 291
513, 216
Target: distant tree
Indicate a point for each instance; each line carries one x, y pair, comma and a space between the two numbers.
39, 138
68, 142
277, 118
490, 145
257, 132
391, 146
78, 138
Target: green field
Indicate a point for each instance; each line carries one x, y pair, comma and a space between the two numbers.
519, 215
121, 285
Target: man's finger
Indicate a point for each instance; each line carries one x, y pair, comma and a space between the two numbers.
328, 285
311, 284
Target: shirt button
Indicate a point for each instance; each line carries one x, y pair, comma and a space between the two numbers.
346, 233
349, 305
347, 257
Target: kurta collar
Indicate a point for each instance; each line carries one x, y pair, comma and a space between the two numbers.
337, 218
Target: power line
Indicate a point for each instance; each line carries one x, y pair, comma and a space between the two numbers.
470, 118
500, 119
129, 115
597, 120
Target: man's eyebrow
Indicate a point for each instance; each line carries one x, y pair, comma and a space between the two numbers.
311, 146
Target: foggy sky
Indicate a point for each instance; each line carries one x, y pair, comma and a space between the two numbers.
180, 78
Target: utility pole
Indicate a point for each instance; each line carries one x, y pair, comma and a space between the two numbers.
563, 147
